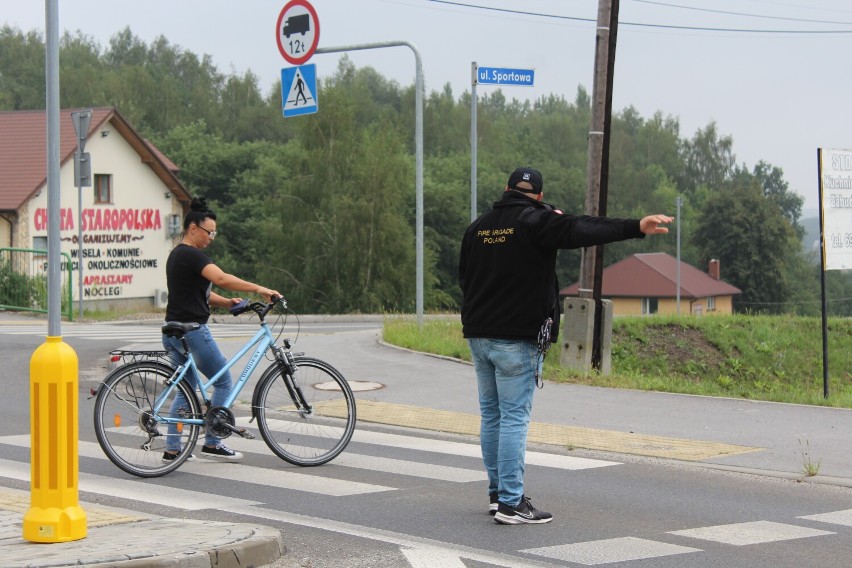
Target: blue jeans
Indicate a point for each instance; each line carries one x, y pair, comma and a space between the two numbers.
209, 360
505, 373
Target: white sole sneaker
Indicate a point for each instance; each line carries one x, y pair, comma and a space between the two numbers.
218, 454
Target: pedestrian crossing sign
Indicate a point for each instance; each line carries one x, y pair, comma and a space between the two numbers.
299, 90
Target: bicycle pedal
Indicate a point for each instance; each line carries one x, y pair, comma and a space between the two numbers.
245, 434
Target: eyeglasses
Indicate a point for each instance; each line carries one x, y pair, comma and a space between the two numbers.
211, 234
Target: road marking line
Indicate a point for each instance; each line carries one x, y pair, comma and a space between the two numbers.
836, 518
471, 450
757, 532
447, 550
130, 488
431, 557
270, 477
610, 550
474, 451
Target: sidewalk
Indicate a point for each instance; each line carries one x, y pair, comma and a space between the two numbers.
421, 391
128, 539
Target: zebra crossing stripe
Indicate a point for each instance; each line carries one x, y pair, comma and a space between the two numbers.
462, 449
431, 557
271, 477
757, 532
610, 550
843, 518
473, 450
413, 547
123, 488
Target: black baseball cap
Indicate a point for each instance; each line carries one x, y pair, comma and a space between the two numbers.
529, 175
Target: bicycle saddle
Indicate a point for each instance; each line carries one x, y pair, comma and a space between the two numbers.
178, 329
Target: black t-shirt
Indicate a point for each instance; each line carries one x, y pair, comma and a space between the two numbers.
189, 291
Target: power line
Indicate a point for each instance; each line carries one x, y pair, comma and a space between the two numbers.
508, 11
794, 303
666, 4
802, 6
640, 24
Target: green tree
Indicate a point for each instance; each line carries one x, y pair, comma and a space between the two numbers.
21, 69
752, 239
343, 237
81, 72
776, 189
708, 161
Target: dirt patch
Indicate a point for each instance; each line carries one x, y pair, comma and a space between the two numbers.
686, 350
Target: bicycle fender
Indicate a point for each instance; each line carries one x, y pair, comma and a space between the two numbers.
162, 366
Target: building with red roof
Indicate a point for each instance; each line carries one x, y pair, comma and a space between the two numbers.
131, 215
647, 284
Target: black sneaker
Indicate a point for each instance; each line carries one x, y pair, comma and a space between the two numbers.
170, 457
221, 451
492, 506
521, 513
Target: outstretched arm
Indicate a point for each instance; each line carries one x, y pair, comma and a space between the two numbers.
230, 282
650, 225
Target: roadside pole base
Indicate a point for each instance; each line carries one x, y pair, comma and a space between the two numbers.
578, 335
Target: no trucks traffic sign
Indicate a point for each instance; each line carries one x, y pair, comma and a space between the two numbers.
297, 31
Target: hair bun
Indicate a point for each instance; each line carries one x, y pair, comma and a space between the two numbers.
198, 204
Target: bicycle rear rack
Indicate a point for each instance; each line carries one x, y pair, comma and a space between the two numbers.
123, 356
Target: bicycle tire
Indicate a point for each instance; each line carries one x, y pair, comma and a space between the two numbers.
127, 432
305, 438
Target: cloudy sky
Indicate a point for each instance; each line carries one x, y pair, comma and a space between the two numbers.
774, 75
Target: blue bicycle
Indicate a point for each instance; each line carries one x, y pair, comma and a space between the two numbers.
305, 409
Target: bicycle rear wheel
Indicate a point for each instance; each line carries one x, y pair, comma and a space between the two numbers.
129, 432
305, 436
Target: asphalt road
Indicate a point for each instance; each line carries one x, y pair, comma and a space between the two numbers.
403, 497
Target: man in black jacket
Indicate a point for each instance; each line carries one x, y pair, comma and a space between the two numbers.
507, 272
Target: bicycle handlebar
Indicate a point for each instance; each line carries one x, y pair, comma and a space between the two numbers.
260, 308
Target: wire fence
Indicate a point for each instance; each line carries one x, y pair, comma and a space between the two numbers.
23, 281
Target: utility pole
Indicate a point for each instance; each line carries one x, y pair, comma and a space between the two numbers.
591, 268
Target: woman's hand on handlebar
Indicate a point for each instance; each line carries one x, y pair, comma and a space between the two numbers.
268, 294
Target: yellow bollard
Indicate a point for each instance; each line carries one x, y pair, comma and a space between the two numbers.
55, 514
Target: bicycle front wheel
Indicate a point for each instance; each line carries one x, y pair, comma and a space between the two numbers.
130, 433
307, 418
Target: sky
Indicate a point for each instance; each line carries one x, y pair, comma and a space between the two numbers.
775, 76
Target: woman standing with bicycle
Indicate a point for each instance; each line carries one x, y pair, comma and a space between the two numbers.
190, 276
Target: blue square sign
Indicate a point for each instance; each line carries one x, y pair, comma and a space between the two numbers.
299, 90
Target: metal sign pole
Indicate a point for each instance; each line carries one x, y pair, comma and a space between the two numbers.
822, 278
678, 203
82, 177
473, 136
80, 246
55, 514
418, 151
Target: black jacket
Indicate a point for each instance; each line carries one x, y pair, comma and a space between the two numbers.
507, 266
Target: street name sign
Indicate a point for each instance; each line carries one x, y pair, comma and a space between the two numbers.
505, 76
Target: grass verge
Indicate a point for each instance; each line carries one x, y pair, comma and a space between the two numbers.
772, 358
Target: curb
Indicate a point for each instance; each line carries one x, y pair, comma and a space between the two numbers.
261, 546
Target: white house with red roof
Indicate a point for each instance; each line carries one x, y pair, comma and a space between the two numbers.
130, 218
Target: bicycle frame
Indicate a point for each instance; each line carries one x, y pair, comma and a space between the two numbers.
262, 339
